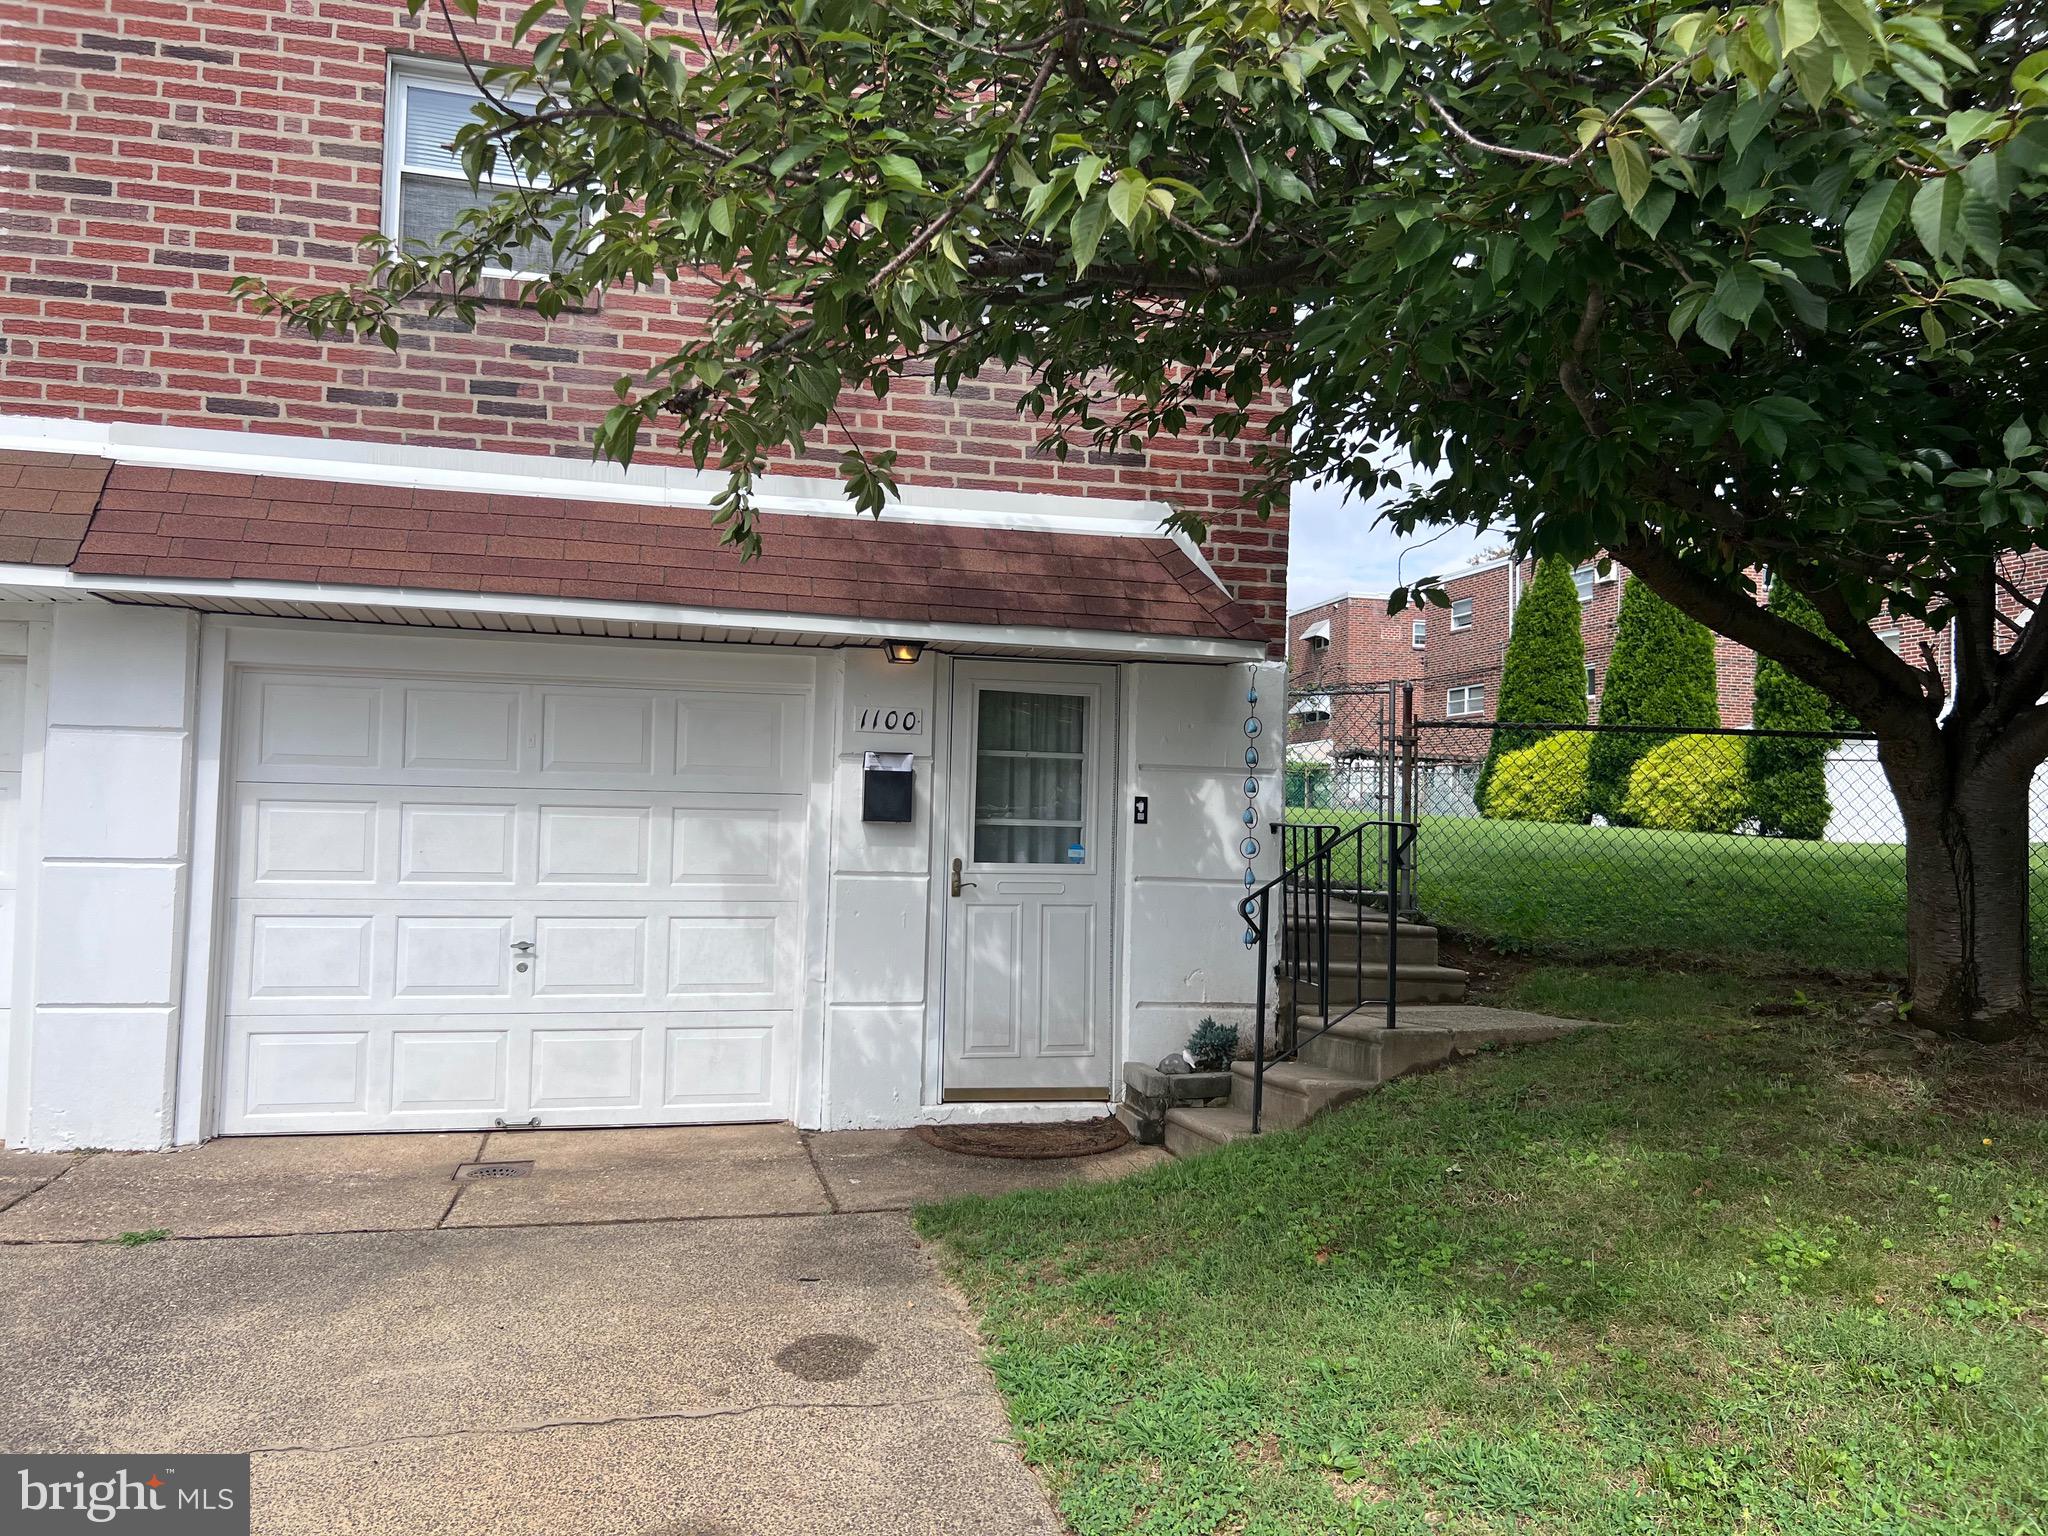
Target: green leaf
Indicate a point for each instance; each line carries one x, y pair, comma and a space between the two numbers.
835, 207
1750, 119
1963, 127
1935, 207
1180, 71
1087, 172
1852, 26
1085, 229
1631, 170
1981, 227
1994, 290
720, 214
1603, 213
902, 172
1921, 73
2030, 76
1813, 71
1798, 24
1738, 293
1872, 227
1649, 215
2018, 440
1664, 126
1127, 195
530, 18
1344, 123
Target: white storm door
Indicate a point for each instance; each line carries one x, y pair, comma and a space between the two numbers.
1026, 863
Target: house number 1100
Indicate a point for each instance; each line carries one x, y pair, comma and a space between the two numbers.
904, 720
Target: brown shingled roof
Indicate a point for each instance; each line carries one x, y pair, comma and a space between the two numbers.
46, 500
205, 525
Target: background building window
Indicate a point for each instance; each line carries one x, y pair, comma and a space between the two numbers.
1468, 700
1592, 681
1583, 578
1461, 613
1892, 639
1418, 633
426, 190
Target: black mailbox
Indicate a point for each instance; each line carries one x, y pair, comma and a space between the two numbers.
885, 786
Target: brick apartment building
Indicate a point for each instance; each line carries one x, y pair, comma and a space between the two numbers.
381, 762
1454, 655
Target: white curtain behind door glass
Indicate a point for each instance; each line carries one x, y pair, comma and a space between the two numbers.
1030, 773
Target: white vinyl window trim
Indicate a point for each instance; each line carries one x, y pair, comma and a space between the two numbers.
423, 108
1461, 613
1468, 700
1418, 633
1583, 578
1592, 682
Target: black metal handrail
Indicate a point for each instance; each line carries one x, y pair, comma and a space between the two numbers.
1311, 859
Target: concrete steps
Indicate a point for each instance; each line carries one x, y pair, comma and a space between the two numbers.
1350, 938
1296, 1092
1193, 1131
1347, 1062
1351, 982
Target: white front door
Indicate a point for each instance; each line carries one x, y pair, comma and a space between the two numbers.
1027, 866
464, 901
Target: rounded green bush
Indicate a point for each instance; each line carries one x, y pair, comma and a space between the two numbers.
1689, 784
1546, 782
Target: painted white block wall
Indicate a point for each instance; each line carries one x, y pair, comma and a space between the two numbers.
1184, 750
877, 977
114, 858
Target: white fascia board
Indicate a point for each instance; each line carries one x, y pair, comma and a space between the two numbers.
853, 631
482, 472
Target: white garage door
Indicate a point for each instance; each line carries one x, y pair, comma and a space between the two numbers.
457, 903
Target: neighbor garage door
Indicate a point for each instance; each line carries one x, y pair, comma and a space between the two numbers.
460, 902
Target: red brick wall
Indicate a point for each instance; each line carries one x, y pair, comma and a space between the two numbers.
1367, 644
155, 149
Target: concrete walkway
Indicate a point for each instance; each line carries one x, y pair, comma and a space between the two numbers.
713, 1331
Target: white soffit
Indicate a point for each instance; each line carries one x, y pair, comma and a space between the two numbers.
521, 474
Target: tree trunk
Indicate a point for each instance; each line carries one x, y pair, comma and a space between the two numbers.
1968, 965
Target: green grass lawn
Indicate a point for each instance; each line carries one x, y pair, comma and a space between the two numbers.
1706, 1272
1603, 891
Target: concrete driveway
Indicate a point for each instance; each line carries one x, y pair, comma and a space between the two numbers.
719, 1330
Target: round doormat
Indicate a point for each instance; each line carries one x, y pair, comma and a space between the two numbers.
1072, 1138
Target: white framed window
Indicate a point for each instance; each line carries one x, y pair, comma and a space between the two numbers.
426, 190
1470, 699
1894, 641
1583, 578
1592, 682
1461, 613
1418, 633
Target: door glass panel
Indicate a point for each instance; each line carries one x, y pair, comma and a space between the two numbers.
1030, 777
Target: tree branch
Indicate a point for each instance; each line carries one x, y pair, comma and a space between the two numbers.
1869, 695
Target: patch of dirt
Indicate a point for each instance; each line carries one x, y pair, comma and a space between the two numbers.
1493, 974
1073, 1138
1362, 1490
1971, 1079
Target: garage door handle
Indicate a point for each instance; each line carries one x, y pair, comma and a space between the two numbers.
524, 946
958, 883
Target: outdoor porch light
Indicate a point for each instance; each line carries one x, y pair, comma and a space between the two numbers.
903, 652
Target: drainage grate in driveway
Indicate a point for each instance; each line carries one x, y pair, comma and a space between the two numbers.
466, 1173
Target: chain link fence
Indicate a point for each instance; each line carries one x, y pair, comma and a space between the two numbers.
1785, 848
